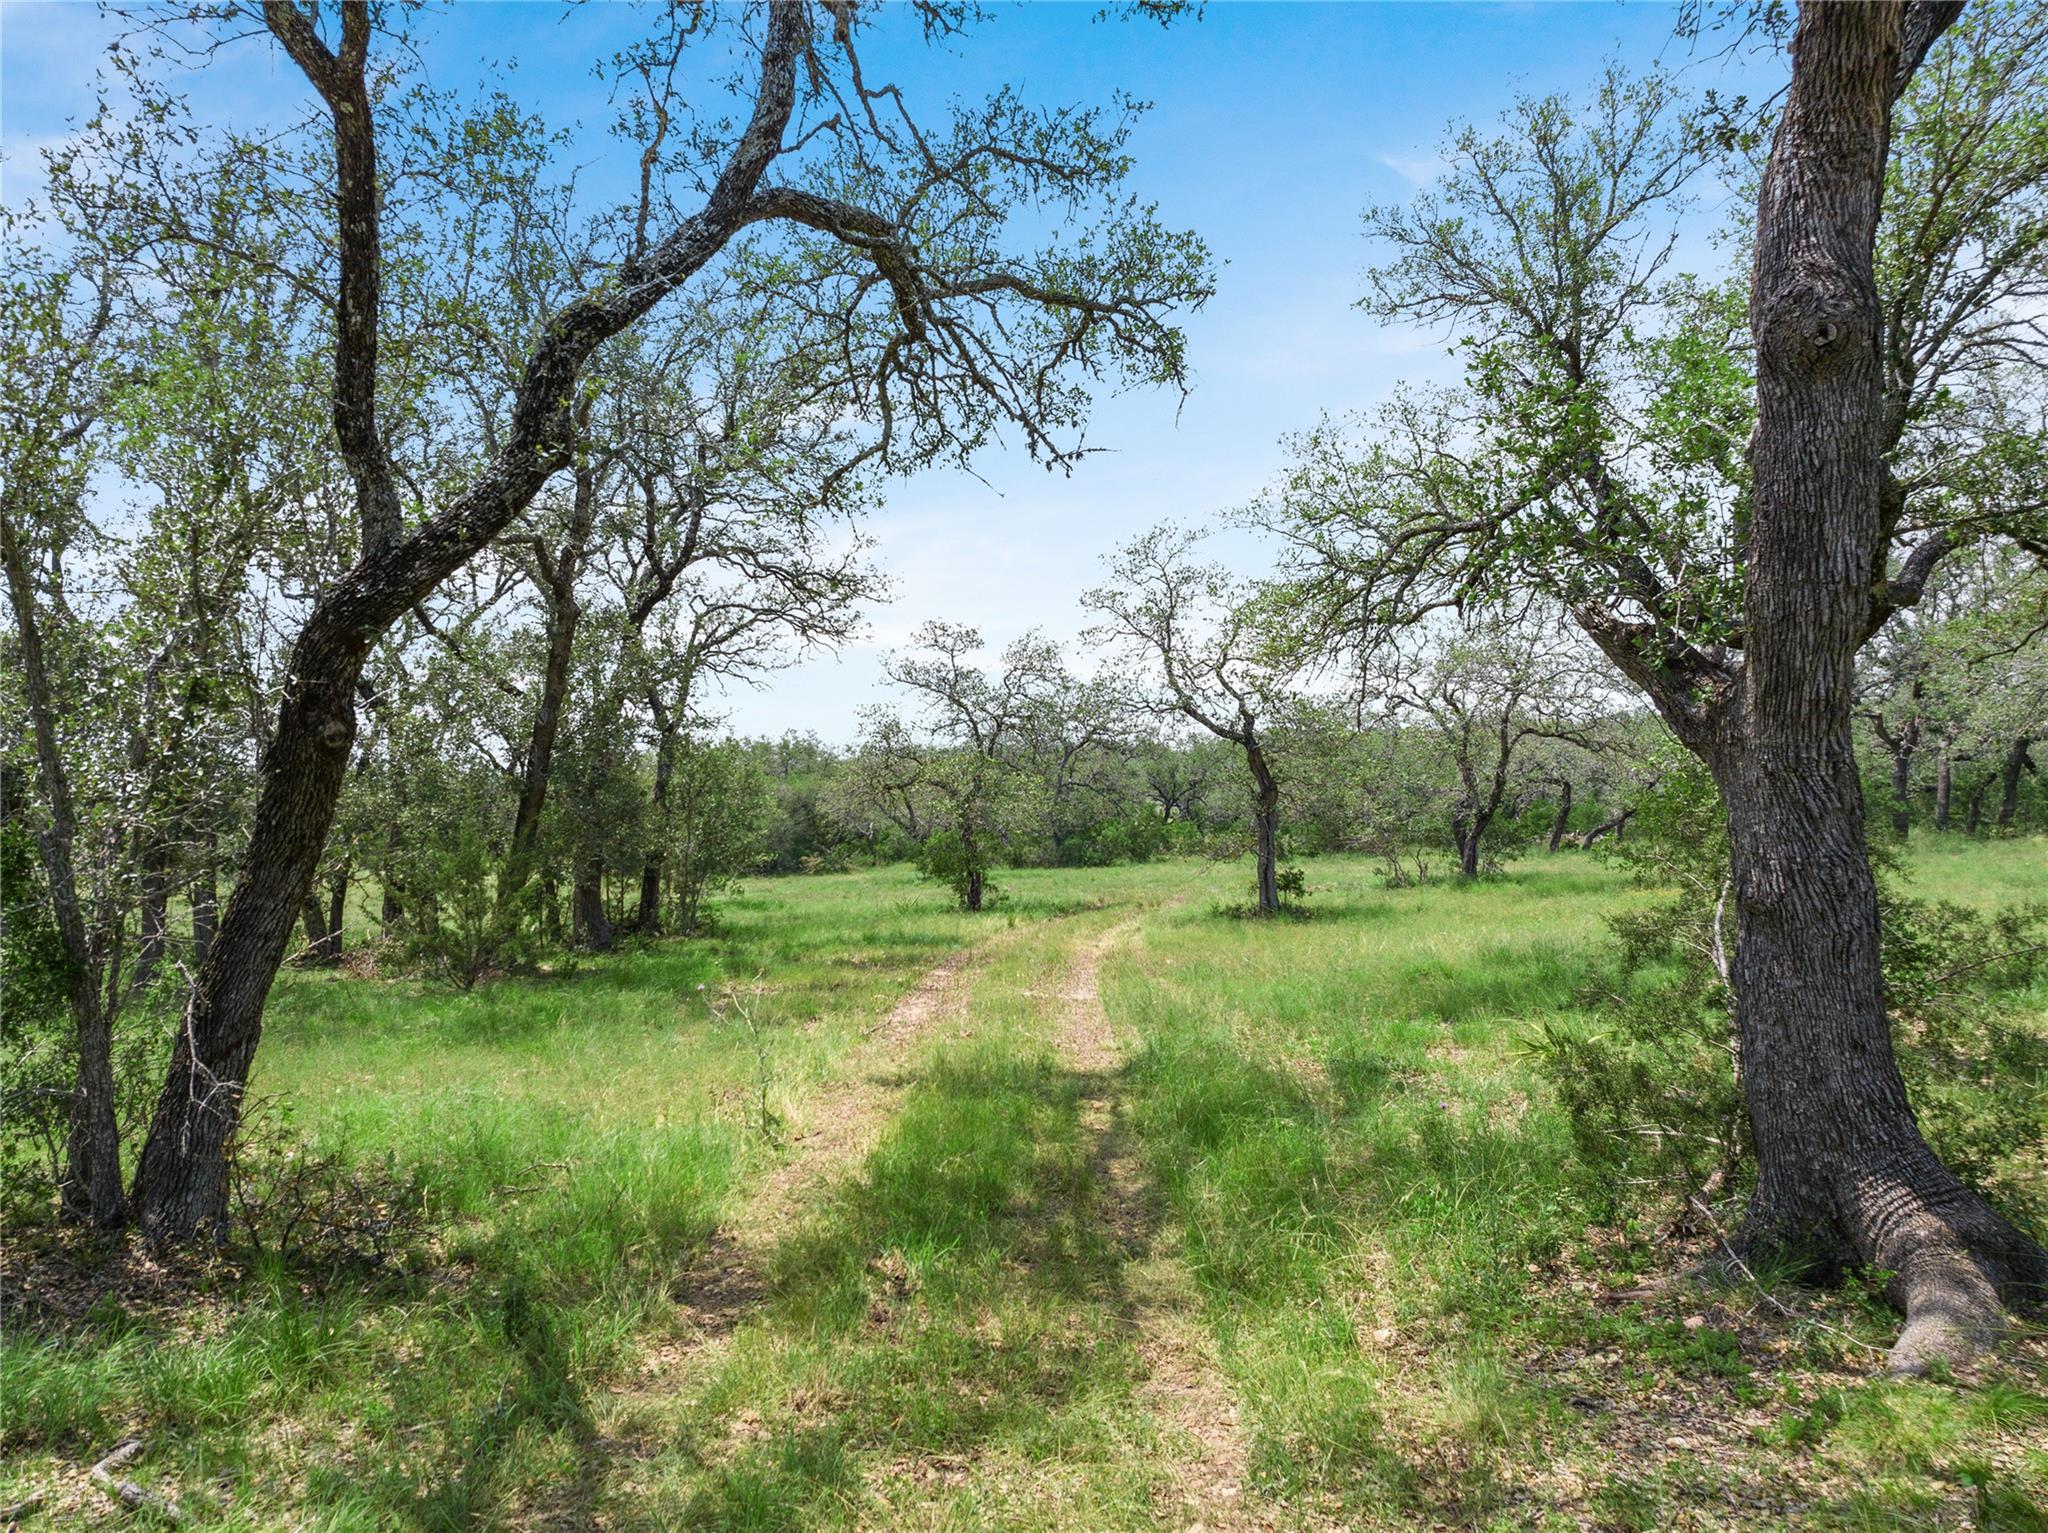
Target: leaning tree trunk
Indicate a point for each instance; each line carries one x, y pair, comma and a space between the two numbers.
181, 1181
1843, 1174
1563, 817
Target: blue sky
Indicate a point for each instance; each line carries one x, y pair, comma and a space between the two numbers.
1274, 126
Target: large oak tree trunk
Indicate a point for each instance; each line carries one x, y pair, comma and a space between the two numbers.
1843, 1174
181, 1182
1944, 790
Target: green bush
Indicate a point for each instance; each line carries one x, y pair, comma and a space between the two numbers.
1651, 1090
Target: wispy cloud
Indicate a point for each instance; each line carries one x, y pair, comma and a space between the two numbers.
1416, 169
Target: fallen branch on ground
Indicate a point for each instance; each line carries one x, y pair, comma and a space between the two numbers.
124, 1454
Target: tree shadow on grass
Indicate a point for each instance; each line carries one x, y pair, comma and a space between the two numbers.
543, 1402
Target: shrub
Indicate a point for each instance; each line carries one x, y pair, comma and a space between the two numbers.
1652, 1092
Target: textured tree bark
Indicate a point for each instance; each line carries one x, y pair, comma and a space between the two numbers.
1944, 790
1843, 1174
181, 1180
92, 1173
976, 887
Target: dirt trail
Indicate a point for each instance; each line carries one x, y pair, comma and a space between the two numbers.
725, 1283
1183, 1386
847, 1121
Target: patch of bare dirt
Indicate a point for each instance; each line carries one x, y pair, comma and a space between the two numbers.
1183, 1386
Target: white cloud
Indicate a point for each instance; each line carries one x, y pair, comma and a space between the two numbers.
1416, 169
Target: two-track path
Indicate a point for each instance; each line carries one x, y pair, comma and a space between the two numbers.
1180, 1385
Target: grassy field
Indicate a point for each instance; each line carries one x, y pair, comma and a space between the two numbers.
1101, 1210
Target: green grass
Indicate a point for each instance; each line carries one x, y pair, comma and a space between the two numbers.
1374, 1203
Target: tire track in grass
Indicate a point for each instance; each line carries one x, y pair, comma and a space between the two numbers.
725, 1284
1183, 1387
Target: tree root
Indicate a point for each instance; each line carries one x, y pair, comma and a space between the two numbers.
1954, 1312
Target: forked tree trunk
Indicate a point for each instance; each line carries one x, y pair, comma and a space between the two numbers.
1843, 1174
